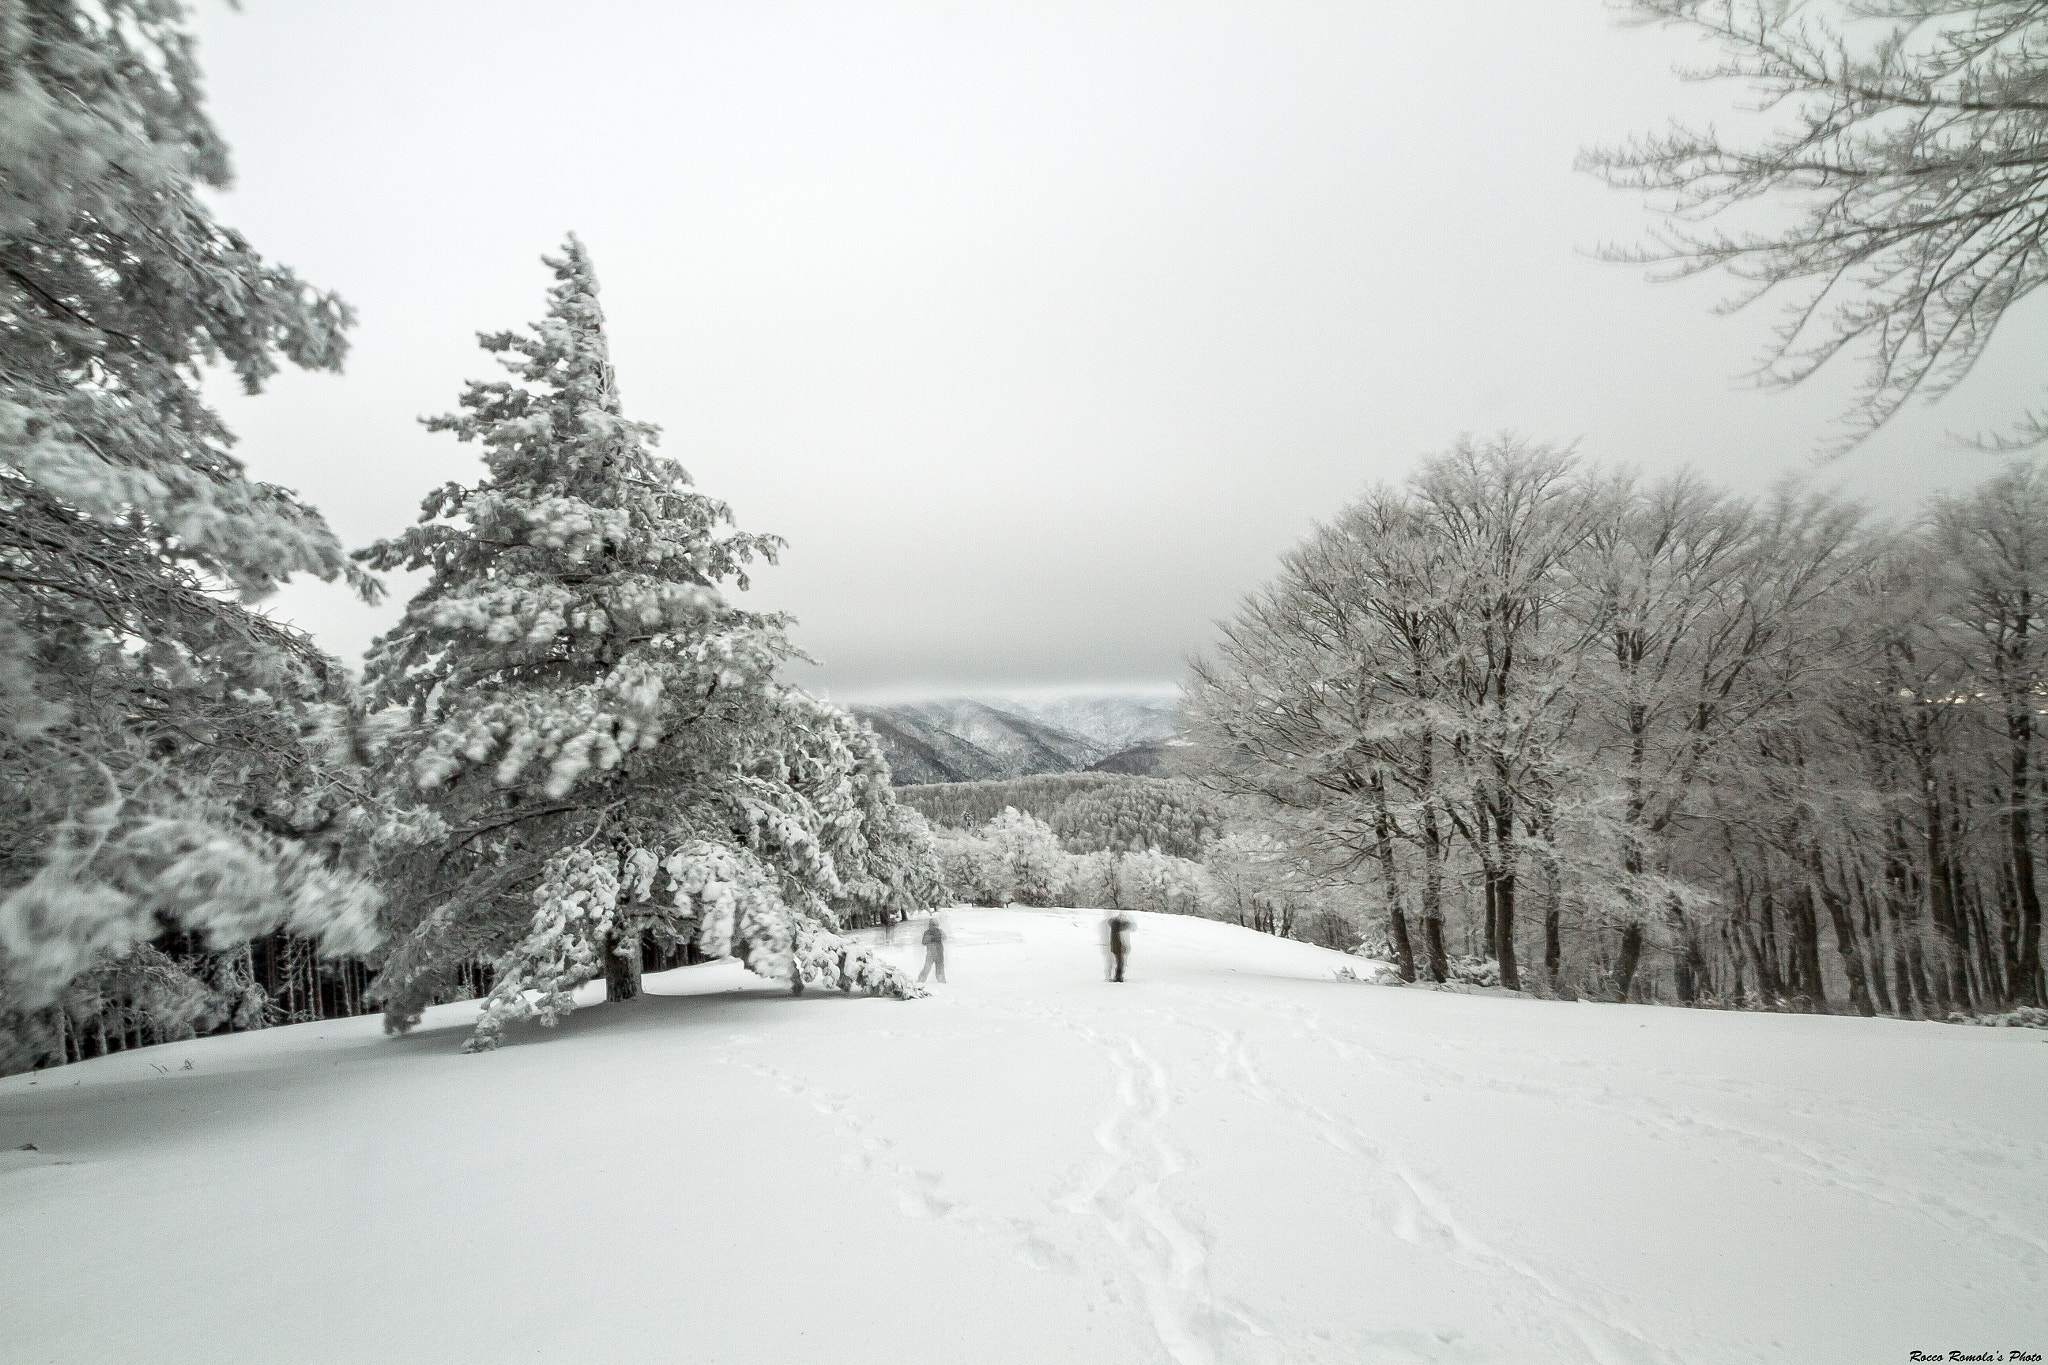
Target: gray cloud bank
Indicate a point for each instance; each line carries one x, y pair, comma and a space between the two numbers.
1039, 330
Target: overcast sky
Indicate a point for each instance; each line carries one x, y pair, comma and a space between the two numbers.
1039, 329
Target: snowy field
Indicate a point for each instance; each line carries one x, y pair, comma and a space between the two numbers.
1233, 1157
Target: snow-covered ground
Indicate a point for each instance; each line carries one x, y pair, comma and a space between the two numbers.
1232, 1157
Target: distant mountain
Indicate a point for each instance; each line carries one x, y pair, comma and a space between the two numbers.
969, 741
1156, 758
1115, 720
963, 739
918, 753
1017, 740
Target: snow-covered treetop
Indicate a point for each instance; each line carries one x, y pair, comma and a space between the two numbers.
119, 289
579, 544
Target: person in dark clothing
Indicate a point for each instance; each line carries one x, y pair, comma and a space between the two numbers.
1119, 942
934, 949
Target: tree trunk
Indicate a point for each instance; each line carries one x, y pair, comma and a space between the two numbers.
1771, 961
1501, 911
1631, 957
1553, 901
1688, 964
2005, 967
1433, 891
2025, 982
1731, 953
621, 969
1404, 950
1985, 988
1629, 652
1768, 984
1873, 940
1945, 890
1806, 947
1504, 944
1632, 868
1902, 902
1383, 833
1492, 886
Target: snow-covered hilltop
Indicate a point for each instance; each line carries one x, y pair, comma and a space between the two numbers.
1235, 1157
1114, 720
973, 739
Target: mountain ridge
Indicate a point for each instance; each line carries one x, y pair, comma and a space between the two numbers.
975, 739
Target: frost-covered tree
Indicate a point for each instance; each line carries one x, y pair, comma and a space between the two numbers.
1507, 517
1735, 733
1096, 880
1034, 866
153, 760
1329, 704
1254, 878
601, 730
973, 870
888, 859
1691, 598
1995, 543
1163, 883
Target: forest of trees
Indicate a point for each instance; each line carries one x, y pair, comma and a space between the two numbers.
1677, 745
1087, 812
1121, 842
571, 758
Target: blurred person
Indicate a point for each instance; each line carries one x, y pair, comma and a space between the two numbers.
934, 948
1118, 930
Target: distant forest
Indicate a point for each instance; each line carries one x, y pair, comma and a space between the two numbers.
1087, 812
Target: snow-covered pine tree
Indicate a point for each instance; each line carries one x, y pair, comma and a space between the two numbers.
887, 858
600, 729
152, 765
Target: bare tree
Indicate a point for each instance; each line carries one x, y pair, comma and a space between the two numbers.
1996, 541
1316, 707
1509, 516
1913, 158
1693, 598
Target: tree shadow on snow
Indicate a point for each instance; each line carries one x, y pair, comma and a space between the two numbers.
670, 1002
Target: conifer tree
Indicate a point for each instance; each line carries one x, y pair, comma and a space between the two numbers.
601, 731
154, 766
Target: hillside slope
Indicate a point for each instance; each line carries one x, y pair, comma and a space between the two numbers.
1112, 720
1154, 758
970, 741
1235, 1157
1020, 744
919, 752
